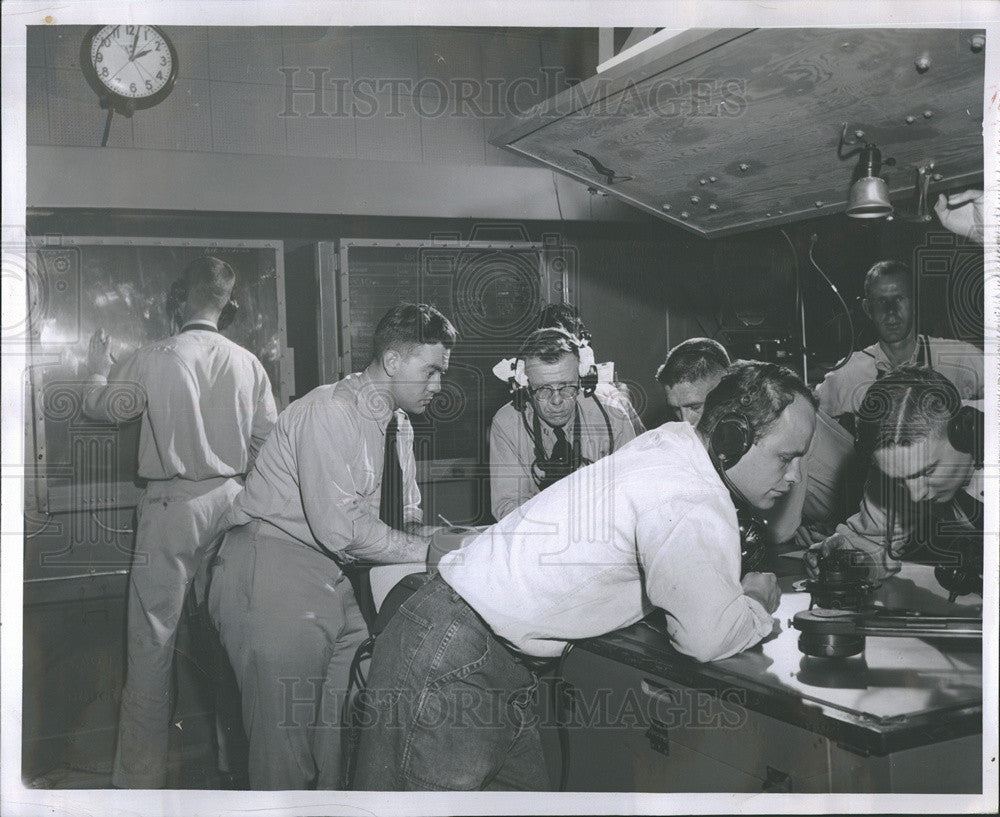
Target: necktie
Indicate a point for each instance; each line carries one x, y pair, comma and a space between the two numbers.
390, 508
560, 450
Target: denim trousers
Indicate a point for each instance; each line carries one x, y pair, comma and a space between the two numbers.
448, 707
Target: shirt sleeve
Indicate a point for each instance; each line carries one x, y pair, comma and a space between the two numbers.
692, 566
621, 425
865, 531
328, 455
511, 483
120, 397
264, 414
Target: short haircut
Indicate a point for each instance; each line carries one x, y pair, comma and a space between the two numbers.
563, 316
906, 406
549, 345
759, 391
691, 360
406, 326
210, 282
884, 268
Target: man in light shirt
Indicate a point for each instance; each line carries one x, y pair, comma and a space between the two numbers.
334, 485
206, 408
552, 427
692, 369
889, 304
652, 525
928, 449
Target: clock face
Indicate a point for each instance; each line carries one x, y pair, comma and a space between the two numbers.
133, 62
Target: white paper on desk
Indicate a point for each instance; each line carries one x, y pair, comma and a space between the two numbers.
385, 577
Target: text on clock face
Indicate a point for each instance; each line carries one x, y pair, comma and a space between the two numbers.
132, 61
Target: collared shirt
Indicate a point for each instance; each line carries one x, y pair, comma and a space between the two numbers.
512, 449
842, 391
650, 526
205, 401
319, 475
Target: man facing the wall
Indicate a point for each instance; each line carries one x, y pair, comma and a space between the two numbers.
206, 408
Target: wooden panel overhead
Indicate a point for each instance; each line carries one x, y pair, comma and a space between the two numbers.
730, 130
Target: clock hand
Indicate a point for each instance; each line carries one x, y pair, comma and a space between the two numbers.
142, 53
135, 42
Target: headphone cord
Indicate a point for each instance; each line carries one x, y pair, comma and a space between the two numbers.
843, 305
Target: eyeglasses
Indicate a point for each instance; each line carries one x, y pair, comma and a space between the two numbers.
547, 393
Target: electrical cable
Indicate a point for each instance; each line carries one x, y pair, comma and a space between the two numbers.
843, 304
800, 307
107, 528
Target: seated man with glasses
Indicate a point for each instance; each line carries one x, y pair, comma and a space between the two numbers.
555, 422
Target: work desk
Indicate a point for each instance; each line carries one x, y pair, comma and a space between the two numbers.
769, 715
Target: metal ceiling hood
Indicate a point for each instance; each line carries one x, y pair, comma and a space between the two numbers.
724, 131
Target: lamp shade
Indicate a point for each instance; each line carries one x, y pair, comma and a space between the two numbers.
869, 198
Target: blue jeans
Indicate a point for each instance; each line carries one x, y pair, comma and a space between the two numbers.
448, 707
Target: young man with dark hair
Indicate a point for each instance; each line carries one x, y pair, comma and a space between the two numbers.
691, 370
652, 525
927, 448
889, 304
206, 408
551, 428
334, 485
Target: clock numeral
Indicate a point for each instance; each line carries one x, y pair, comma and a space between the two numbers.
163, 60
132, 88
149, 85
104, 72
99, 57
129, 31
159, 75
158, 44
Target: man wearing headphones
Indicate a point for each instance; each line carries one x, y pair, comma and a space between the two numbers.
928, 449
554, 424
334, 488
206, 408
692, 369
566, 316
889, 304
653, 525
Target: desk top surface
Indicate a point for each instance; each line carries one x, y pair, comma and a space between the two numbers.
894, 682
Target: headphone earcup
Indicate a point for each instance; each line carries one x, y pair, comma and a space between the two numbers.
966, 431
731, 439
228, 313
518, 396
588, 382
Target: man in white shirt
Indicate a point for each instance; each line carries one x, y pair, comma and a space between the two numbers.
334, 485
928, 449
206, 408
692, 369
555, 423
652, 525
889, 305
